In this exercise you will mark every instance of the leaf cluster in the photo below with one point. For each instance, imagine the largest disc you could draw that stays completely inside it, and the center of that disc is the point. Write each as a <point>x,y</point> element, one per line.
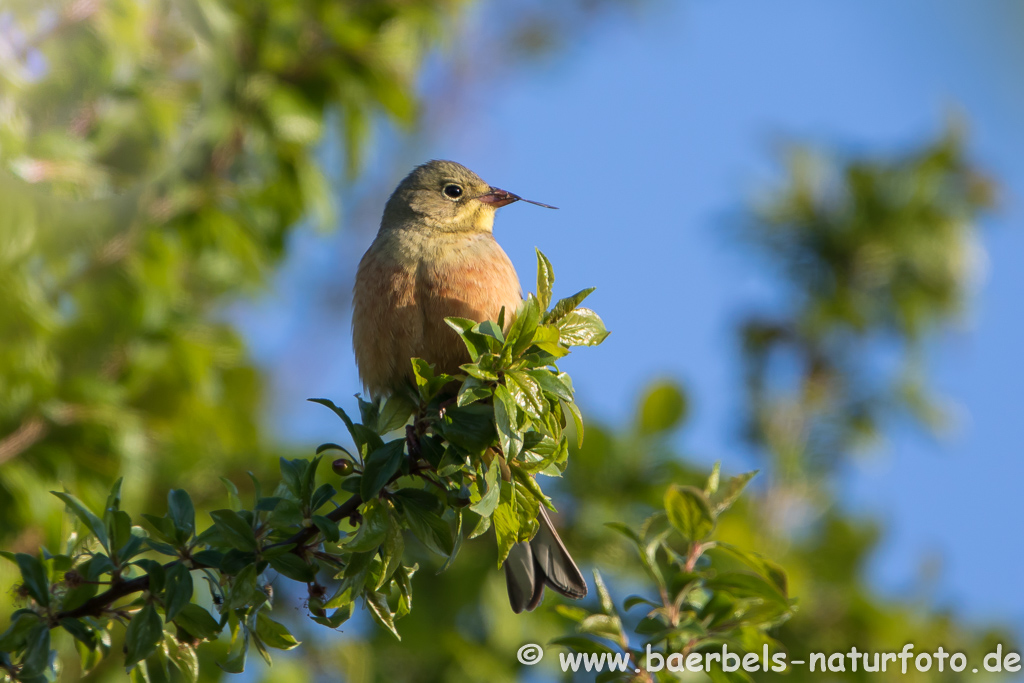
<point>708,592</point>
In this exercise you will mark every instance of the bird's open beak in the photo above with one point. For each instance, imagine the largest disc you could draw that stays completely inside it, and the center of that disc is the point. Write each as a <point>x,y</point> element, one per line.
<point>498,198</point>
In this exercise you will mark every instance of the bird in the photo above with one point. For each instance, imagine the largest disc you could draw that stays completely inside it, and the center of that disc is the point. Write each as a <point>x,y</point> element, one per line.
<point>434,257</point>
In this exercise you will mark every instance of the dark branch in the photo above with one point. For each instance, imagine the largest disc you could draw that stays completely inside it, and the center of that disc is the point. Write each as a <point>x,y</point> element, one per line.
<point>95,606</point>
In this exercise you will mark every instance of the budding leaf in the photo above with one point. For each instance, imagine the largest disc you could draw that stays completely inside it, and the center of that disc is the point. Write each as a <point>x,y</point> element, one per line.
<point>545,280</point>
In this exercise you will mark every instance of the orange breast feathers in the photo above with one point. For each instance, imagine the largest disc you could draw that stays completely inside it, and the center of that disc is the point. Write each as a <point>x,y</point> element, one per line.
<point>401,300</point>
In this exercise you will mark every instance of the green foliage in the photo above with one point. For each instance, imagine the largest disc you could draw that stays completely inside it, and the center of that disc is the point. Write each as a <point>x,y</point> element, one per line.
<point>154,158</point>
<point>875,253</point>
<point>703,600</point>
<point>466,462</point>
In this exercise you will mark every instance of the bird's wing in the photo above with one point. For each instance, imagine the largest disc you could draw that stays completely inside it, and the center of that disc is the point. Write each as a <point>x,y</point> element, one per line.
<point>553,561</point>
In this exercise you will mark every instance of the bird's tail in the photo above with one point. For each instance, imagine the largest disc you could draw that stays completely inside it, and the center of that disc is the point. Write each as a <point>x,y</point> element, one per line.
<point>544,560</point>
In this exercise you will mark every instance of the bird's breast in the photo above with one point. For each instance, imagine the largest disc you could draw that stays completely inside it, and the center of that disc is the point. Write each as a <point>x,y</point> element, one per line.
<point>408,283</point>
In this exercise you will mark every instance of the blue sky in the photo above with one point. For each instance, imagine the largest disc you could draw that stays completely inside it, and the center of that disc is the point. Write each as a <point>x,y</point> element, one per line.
<point>651,133</point>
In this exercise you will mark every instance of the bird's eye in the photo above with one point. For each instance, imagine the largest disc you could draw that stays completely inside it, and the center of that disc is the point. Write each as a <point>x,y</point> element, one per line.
<point>452,191</point>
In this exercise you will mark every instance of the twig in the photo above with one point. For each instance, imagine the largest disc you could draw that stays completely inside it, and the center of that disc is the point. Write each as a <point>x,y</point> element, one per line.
<point>27,435</point>
<point>95,606</point>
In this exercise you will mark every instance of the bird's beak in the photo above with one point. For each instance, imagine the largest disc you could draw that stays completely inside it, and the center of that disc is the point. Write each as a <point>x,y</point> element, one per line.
<point>498,198</point>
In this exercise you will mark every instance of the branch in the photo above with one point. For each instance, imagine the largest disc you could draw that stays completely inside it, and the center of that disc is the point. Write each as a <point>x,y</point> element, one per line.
<point>95,606</point>
<point>27,435</point>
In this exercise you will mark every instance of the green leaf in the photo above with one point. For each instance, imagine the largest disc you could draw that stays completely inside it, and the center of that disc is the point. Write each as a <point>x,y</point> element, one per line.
<point>582,644</point>
<point>182,513</point>
<point>114,497</point>
<point>545,280</point>
<point>36,660</point>
<point>731,491</point>
<point>506,422</point>
<point>244,589</point>
<point>273,634</point>
<point>332,447</point>
<point>91,521</point>
<point>235,662</point>
<point>526,393</point>
<point>607,606</point>
<point>291,473</point>
<point>372,529</point>
<point>530,485</point>
<point>429,527</point>
<point>33,578</point>
<point>490,492</point>
<point>773,572</point>
<point>747,585</point>
<point>80,631</point>
<point>713,479</point>
<point>577,420</point>
<point>14,637</point>
<point>634,600</point>
<point>689,512</point>
<point>663,408</point>
<point>293,566</point>
<point>323,494</point>
<point>470,428</point>
<point>395,412</point>
<point>235,530</point>
<point>520,333</point>
<point>557,386</point>
<point>472,390</point>
<point>451,462</point>
<point>458,542</point>
<point>582,327</point>
<point>378,606</point>
<point>391,550</point>
<point>309,481</point>
<point>328,528</point>
<point>602,625</point>
<point>540,457</point>
<point>197,621</point>
<point>184,658</point>
<point>489,329</point>
<point>426,381</point>
<point>506,522</point>
<point>381,465</point>
<point>366,439</point>
<point>178,590</point>
<point>546,338</point>
<point>234,500</point>
<point>368,413</point>
<point>476,342</point>
<point>144,633</point>
<point>564,306</point>
<point>482,525</point>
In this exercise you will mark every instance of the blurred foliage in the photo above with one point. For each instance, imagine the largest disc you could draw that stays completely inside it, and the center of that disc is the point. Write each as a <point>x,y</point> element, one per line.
<point>874,255</point>
<point>154,157</point>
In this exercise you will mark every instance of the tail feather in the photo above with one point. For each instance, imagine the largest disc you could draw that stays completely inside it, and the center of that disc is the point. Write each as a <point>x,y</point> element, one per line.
<point>542,561</point>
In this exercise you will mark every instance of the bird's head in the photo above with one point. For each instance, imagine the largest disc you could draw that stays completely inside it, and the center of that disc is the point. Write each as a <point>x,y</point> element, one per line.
<point>447,196</point>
